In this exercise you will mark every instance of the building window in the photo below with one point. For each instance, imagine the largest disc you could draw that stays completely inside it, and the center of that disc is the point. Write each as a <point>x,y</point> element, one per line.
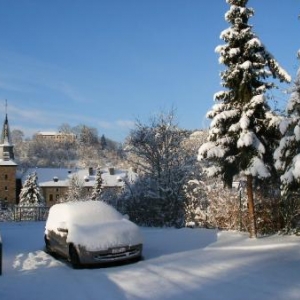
<point>57,189</point>
<point>5,177</point>
<point>6,188</point>
<point>50,197</point>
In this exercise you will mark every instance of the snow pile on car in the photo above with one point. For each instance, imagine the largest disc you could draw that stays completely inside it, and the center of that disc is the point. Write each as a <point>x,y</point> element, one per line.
<point>94,225</point>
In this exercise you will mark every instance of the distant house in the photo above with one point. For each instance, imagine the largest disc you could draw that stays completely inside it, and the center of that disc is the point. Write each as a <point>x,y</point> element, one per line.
<point>56,136</point>
<point>54,182</point>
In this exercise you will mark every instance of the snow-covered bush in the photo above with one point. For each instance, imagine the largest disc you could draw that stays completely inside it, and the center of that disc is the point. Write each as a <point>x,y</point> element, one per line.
<point>196,204</point>
<point>6,214</point>
<point>111,196</point>
<point>221,207</point>
<point>268,207</point>
<point>227,207</point>
<point>141,202</point>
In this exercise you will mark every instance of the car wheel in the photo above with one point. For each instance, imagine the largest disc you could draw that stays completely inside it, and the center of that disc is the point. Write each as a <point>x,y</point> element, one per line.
<point>74,258</point>
<point>47,245</point>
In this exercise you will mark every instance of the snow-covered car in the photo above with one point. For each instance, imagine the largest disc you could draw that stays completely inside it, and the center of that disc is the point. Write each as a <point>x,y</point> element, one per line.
<point>91,232</point>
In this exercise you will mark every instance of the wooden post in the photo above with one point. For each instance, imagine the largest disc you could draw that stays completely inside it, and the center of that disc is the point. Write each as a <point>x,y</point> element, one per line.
<point>252,225</point>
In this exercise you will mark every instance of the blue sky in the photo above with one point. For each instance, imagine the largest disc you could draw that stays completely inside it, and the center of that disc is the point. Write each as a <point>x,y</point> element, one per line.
<point>107,63</point>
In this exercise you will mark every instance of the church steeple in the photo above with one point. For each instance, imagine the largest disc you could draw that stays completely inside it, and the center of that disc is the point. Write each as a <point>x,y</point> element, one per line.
<point>6,147</point>
<point>8,167</point>
<point>5,136</point>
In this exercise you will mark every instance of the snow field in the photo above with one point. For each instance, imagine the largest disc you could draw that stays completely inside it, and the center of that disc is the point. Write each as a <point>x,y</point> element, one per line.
<point>179,264</point>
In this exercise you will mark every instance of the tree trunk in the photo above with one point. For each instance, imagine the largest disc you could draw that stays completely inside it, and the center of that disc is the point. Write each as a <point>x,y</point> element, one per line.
<point>252,225</point>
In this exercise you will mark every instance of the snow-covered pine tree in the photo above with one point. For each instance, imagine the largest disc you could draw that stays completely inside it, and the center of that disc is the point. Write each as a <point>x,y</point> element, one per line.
<point>287,155</point>
<point>75,190</point>
<point>31,194</point>
<point>97,189</point>
<point>243,132</point>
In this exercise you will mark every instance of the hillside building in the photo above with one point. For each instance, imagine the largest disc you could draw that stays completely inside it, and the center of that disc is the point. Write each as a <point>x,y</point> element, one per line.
<point>58,137</point>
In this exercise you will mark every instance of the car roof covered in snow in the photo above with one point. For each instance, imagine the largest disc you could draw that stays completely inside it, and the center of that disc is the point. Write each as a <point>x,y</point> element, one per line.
<point>82,212</point>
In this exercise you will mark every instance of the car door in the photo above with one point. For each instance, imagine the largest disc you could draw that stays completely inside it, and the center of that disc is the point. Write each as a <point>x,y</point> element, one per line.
<point>61,239</point>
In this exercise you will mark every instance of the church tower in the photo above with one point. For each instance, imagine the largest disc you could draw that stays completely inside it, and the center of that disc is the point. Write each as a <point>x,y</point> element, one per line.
<point>8,167</point>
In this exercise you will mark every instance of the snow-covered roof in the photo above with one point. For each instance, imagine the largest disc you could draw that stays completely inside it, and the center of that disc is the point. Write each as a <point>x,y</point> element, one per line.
<point>59,177</point>
<point>50,133</point>
<point>47,133</point>
<point>4,162</point>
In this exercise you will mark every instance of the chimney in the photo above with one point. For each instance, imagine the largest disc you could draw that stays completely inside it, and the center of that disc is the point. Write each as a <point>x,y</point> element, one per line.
<point>91,171</point>
<point>111,171</point>
<point>134,169</point>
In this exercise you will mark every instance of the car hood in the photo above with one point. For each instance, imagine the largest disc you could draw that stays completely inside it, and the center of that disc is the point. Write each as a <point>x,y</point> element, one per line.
<point>105,235</point>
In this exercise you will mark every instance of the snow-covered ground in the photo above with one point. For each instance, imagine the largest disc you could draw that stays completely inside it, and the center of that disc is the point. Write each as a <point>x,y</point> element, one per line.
<point>179,264</point>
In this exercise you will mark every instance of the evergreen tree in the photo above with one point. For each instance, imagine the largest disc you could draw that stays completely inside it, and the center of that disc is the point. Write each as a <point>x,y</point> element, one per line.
<point>31,194</point>
<point>287,155</point>
<point>97,189</point>
<point>243,131</point>
<point>103,142</point>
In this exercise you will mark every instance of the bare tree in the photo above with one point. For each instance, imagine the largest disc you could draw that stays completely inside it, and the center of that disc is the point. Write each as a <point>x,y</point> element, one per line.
<point>163,164</point>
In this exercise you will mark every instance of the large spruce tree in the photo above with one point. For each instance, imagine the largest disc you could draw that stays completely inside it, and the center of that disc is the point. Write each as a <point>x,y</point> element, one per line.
<point>287,155</point>
<point>243,132</point>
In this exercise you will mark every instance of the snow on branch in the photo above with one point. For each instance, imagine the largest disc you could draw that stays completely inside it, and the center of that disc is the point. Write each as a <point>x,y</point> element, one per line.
<point>253,43</point>
<point>257,168</point>
<point>224,116</point>
<point>211,150</point>
<point>278,70</point>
